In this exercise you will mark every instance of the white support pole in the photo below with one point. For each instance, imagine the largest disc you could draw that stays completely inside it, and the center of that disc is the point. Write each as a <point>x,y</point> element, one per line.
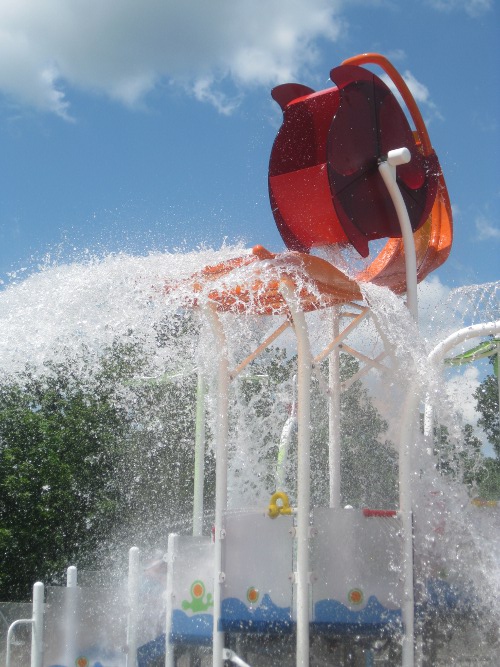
<point>169,647</point>
<point>199,457</point>
<point>133,606</point>
<point>304,364</point>
<point>334,414</point>
<point>221,437</point>
<point>37,626</point>
<point>70,610</point>
<point>407,442</point>
<point>387,170</point>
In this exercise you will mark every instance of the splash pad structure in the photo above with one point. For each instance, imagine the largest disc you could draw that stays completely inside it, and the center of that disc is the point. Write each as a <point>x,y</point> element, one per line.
<point>346,169</point>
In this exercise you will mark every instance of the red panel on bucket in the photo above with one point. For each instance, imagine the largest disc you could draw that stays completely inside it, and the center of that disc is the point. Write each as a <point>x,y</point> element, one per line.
<point>324,183</point>
<point>299,188</point>
<point>367,125</point>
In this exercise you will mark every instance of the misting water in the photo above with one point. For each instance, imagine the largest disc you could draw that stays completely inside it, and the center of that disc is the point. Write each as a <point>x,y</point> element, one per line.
<point>75,314</point>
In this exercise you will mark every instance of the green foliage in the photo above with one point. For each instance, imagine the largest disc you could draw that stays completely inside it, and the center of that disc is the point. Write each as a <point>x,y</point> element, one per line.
<point>488,487</point>
<point>466,461</point>
<point>159,476</point>
<point>91,454</point>
<point>486,396</point>
<point>462,461</point>
<point>59,453</point>
<point>368,462</point>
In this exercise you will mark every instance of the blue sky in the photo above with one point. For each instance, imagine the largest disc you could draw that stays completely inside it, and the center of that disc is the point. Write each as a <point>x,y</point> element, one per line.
<point>137,126</point>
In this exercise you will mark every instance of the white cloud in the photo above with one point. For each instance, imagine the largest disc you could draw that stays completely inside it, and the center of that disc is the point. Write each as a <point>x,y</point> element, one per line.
<point>472,7</point>
<point>123,48</point>
<point>460,391</point>
<point>419,91</point>
<point>486,230</point>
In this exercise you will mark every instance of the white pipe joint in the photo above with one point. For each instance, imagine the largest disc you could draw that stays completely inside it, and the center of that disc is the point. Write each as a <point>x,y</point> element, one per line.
<point>398,156</point>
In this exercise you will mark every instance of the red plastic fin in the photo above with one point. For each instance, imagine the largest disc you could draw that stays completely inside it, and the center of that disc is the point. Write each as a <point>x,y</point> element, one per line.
<point>368,123</point>
<point>379,513</point>
<point>287,92</point>
<point>262,253</point>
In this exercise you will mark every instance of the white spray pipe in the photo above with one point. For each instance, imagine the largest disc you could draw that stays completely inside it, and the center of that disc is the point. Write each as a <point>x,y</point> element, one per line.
<point>334,441</point>
<point>133,606</point>
<point>36,622</point>
<point>169,647</point>
<point>387,169</point>
<point>199,457</point>
<point>70,626</point>
<point>440,351</point>
<point>221,437</point>
<point>37,626</point>
<point>71,577</point>
<point>304,363</point>
<point>407,442</point>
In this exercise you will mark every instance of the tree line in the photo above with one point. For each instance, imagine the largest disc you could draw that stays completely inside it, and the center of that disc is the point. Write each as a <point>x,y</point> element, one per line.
<point>86,464</point>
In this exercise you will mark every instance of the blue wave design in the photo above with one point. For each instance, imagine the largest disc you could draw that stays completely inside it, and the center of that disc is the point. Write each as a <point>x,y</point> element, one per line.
<point>195,629</point>
<point>443,596</point>
<point>333,616</point>
<point>267,617</point>
<point>153,650</point>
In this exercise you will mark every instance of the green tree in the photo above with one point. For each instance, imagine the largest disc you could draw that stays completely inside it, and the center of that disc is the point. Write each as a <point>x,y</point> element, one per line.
<point>368,463</point>
<point>92,457</point>
<point>486,396</point>
<point>369,476</point>
<point>60,449</point>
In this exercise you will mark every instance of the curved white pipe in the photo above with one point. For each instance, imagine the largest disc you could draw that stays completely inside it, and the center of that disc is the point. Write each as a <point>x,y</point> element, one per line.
<point>438,353</point>
<point>387,170</point>
<point>474,331</point>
